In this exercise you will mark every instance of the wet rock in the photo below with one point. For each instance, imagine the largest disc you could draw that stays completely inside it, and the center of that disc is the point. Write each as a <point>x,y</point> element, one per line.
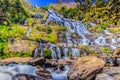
<point>60,66</point>
<point>104,76</point>
<point>111,70</point>
<point>51,63</point>
<point>117,77</point>
<point>26,77</point>
<point>109,73</point>
<point>116,52</point>
<point>111,62</point>
<point>38,61</point>
<point>44,74</point>
<point>85,68</point>
<point>65,61</point>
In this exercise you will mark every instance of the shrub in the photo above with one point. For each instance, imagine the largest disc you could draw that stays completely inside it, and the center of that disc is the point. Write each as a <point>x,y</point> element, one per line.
<point>48,30</point>
<point>106,50</point>
<point>47,53</point>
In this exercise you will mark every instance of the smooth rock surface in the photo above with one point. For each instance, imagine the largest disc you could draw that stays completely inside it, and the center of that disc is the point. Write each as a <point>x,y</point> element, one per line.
<point>104,76</point>
<point>85,68</point>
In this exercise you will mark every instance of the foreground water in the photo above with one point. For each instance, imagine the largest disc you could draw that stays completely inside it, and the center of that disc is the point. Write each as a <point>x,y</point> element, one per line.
<point>7,72</point>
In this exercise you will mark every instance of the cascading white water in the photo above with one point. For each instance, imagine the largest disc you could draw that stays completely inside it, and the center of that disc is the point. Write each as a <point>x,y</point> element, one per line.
<point>55,53</point>
<point>7,72</point>
<point>70,26</point>
<point>28,32</point>
<point>100,41</point>
<point>59,75</point>
<point>77,27</point>
<point>106,32</point>
<point>35,53</point>
<point>66,51</point>
<point>25,22</point>
<point>40,45</point>
<point>75,52</point>
<point>68,39</point>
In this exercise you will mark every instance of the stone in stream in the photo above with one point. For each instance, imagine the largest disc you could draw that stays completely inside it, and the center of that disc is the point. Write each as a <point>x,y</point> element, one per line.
<point>26,77</point>
<point>104,76</point>
<point>109,73</point>
<point>111,70</point>
<point>44,74</point>
<point>38,61</point>
<point>85,68</point>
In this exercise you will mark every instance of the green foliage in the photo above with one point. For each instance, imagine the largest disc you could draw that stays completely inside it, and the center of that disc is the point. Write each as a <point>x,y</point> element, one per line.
<point>15,54</point>
<point>48,30</point>
<point>47,53</point>
<point>13,11</point>
<point>106,50</point>
<point>7,32</point>
<point>89,51</point>
<point>69,13</point>
<point>103,26</point>
<point>62,28</point>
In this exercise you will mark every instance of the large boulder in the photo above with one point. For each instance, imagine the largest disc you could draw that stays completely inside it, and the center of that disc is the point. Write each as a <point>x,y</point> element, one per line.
<point>85,68</point>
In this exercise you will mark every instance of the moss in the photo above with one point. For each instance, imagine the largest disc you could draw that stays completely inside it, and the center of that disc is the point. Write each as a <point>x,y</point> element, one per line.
<point>106,50</point>
<point>47,53</point>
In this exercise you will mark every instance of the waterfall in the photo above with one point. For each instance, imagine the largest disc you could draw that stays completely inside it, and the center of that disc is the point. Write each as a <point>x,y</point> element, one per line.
<point>106,32</point>
<point>55,53</point>
<point>35,53</point>
<point>29,30</point>
<point>75,52</point>
<point>66,51</point>
<point>25,22</point>
<point>40,45</point>
<point>68,39</point>
<point>100,41</point>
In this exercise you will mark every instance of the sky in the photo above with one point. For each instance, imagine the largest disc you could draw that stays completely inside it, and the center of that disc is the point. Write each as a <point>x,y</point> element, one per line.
<point>42,2</point>
<point>46,2</point>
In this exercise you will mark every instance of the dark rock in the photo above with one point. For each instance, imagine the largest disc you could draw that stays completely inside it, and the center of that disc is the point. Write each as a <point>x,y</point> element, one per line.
<point>51,63</point>
<point>44,74</point>
<point>26,77</point>
<point>85,68</point>
<point>38,61</point>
